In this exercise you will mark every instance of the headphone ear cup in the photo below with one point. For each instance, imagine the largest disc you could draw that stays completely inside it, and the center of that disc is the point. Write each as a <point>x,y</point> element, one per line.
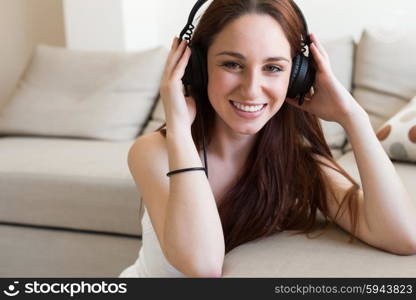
<point>196,74</point>
<point>199,69</point>
<point>187,76</point>
<point>299,76</point>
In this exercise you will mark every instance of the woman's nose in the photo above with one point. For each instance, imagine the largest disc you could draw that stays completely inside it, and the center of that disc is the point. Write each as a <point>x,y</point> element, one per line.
<point>251,85</point>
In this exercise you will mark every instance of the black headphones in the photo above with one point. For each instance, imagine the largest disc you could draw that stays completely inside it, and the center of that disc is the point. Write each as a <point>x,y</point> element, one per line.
<point>302,74</point>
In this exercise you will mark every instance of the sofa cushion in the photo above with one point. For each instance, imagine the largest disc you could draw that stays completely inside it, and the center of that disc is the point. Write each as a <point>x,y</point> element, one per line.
<point>329,255</point>
<point>398,135</point>
<point>68,183</point>
<point>84,94</point>
<point>33,252</point>
<point>385,74</point>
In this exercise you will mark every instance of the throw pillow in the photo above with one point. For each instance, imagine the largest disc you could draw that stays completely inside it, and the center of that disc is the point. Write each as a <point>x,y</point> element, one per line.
<point>84,94</point>
<point>398,135</point>
<point>384,76</point>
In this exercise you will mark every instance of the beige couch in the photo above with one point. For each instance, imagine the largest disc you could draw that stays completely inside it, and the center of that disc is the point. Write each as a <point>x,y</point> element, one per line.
<point>69,206</point>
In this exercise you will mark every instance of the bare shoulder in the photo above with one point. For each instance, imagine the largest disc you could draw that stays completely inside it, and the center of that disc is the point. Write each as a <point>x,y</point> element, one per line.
<point>150,146</point>
<point>150,139</point>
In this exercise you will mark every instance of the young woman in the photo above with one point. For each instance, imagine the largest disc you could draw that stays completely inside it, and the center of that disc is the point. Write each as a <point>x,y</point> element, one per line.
<point>270,166</point>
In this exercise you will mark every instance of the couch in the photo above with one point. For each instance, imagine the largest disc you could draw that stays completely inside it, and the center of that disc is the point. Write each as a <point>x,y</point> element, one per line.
<point>69,206</point>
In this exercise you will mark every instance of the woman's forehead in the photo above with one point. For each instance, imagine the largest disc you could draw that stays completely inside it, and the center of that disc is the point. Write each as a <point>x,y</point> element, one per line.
<point>252,33</point>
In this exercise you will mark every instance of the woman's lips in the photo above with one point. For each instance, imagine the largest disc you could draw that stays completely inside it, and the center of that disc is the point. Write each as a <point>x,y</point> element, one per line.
<point>248,104</point>
<point>248,115</point>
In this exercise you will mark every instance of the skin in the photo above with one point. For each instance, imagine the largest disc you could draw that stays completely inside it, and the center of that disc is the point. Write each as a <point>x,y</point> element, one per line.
<point>249,80</point>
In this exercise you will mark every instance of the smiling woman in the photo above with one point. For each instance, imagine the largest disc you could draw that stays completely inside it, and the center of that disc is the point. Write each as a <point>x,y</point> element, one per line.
<point>271,168</point>
<point>249,48</point>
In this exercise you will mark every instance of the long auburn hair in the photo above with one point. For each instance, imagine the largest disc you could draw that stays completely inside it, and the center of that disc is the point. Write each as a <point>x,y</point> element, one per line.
<point>281,185</point>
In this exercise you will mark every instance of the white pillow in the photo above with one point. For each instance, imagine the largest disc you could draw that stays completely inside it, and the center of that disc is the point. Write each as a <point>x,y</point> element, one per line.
<point>84,94</point>
<point>398,135</point>
<point>384,76</point>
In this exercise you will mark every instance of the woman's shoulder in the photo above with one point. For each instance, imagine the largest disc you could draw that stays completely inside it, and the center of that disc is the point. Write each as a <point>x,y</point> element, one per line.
<point>150,146</point>
<point>152,138</point>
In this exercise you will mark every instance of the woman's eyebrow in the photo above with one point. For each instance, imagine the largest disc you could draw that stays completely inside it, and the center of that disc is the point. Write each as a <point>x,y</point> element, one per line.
<point>240,56</point>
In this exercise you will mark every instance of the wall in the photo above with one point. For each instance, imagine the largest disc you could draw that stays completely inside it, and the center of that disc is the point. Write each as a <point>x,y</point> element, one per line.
<point>327,18</point>
<point>23,24</point>
<point>139,24</point>
<point>111,25</point>
<point>94,24</point>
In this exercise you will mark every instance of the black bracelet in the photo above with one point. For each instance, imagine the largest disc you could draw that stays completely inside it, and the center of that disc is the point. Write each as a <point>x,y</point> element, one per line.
<point>184,170</point>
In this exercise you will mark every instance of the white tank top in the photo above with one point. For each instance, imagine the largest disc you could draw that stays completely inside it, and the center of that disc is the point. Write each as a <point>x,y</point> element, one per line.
<point>151,261</point>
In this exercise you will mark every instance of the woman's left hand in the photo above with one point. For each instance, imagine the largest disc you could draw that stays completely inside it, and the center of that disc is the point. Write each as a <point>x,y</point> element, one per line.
<point>328,99</point>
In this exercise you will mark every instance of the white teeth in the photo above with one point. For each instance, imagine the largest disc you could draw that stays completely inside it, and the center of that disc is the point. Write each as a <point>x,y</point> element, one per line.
<point>251,108</point>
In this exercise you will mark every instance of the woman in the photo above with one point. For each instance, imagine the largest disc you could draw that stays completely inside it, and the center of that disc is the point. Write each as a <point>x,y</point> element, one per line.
<point>270,166</point>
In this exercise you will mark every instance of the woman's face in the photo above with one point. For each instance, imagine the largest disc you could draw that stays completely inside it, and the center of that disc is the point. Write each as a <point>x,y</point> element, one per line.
<point>249,66</point>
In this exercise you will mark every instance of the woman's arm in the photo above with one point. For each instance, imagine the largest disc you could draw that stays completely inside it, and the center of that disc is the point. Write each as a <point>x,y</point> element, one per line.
<point>389,211</point>
<point>386,214</point>
<point>193,229</point>
<point>181,207</point>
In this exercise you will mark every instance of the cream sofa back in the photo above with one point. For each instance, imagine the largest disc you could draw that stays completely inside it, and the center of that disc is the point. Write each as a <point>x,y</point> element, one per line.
<point>84,94</point>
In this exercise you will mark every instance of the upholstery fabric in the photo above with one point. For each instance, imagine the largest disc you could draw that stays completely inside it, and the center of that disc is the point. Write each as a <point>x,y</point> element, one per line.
<point>84,94</point>
<point>398,135</point>
<point>68,183</point>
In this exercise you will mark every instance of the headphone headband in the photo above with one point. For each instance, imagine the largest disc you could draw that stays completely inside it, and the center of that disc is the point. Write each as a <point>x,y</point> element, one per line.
<point>307,40</point>
<point>187,30</point>
<point>189,27</point>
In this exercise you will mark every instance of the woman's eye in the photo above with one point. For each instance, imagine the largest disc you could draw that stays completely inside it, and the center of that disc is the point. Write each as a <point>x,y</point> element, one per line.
<point>230,64</point>
<point>274,69</point>
<point>233,65</point>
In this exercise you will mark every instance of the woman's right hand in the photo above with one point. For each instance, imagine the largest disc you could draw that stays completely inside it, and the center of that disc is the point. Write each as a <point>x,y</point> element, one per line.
<point>180,111</point>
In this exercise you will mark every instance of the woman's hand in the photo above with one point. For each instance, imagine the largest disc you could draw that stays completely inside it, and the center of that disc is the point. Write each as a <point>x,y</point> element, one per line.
<point>180,111</point>
<point>328,99</point>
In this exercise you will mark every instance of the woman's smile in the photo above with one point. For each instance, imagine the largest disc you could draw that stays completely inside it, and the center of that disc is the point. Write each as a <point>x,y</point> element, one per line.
<point>247,111</point>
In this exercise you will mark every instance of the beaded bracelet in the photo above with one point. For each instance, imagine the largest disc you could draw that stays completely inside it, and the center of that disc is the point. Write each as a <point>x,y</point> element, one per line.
<point>184,170</point>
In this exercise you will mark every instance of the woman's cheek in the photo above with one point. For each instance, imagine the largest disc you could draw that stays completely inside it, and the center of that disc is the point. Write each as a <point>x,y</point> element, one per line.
<point>282,87</point>
<point>223,79</point>
<point>220,85</point>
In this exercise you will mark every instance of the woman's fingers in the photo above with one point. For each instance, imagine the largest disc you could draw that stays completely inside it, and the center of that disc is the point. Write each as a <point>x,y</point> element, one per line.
<point>175,43</point>
<point>322,63</point>
<point>179,70</point>
<point>320,56</point>
<point>171,52</point>
<point>309,94</point>
<point>317,56</point>
<point>177,52</point>
<point>318,45</point>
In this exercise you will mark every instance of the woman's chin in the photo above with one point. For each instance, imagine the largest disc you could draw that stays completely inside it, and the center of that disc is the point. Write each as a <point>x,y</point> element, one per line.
<point>246,130</point>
